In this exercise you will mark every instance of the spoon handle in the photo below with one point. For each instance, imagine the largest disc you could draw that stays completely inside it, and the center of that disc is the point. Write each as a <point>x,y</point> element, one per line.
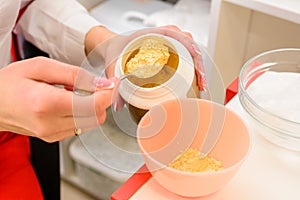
<point>122,77</point>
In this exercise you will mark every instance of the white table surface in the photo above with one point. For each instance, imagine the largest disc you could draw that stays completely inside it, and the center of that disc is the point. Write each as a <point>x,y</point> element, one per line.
<point>269,173</point>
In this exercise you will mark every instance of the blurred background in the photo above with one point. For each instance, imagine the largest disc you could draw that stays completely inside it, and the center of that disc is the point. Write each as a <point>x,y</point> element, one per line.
<point>232,31</point>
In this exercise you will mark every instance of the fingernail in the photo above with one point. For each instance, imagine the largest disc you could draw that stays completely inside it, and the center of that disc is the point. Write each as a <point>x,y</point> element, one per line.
<point>203,84</point>
<point>115,106</point>
<point>196,48</point>
<point>103,83</point>
<point>114,79</point>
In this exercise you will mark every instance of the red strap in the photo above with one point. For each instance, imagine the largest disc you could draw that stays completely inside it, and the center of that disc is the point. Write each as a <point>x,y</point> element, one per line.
<point>15,54</point>
<point>17,176</point>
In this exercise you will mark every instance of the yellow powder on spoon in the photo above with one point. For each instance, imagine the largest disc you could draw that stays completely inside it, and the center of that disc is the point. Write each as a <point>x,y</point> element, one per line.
<point>149,60</point>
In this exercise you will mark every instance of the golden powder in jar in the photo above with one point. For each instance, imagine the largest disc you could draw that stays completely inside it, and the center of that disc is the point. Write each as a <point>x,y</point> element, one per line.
<point>151,57</point>
<point>192,161</point>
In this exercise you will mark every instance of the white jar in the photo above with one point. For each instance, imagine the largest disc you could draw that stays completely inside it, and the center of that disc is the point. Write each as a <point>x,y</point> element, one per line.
<point>181,84</point>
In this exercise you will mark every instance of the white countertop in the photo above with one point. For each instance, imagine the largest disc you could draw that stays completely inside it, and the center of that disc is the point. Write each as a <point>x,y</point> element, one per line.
<point>110,13</point>
<point>127,16</point>
<point>269,173</point>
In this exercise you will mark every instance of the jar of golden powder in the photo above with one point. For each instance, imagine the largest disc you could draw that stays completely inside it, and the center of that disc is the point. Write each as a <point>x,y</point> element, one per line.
<point>176,79</point>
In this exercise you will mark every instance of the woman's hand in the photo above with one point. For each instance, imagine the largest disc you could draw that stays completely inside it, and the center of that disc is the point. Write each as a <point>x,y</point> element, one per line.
<point>187,40</point>
<point>104,46</point>
<point>32,103</point>
<point>102,42</point>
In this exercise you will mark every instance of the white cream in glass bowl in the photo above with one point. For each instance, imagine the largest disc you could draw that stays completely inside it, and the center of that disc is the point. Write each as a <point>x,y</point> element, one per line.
<point>269,91</point>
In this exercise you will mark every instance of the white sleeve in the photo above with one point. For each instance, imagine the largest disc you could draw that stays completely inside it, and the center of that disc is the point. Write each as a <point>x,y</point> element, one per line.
<point>57,27</point>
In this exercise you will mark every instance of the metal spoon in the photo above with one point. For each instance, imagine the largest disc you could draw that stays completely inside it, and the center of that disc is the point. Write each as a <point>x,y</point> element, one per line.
<point>135,74</point>
<point>138,73</point>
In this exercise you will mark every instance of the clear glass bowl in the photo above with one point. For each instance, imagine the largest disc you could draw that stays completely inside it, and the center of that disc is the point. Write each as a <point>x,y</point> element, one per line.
<point>269,91</point>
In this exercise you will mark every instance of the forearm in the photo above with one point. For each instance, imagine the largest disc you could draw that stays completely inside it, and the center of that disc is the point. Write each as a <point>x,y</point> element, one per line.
<point>95,36</point>
<point>57,27</point>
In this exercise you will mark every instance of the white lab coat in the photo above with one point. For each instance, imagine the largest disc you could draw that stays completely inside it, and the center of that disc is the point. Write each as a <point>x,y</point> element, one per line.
<point>57,27</point>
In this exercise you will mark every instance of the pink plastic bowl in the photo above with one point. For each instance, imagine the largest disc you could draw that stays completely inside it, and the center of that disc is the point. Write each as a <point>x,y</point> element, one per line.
<point>173,126</point>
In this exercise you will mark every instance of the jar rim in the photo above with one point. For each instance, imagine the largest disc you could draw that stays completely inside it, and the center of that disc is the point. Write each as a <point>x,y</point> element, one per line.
<point>184,72</point>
